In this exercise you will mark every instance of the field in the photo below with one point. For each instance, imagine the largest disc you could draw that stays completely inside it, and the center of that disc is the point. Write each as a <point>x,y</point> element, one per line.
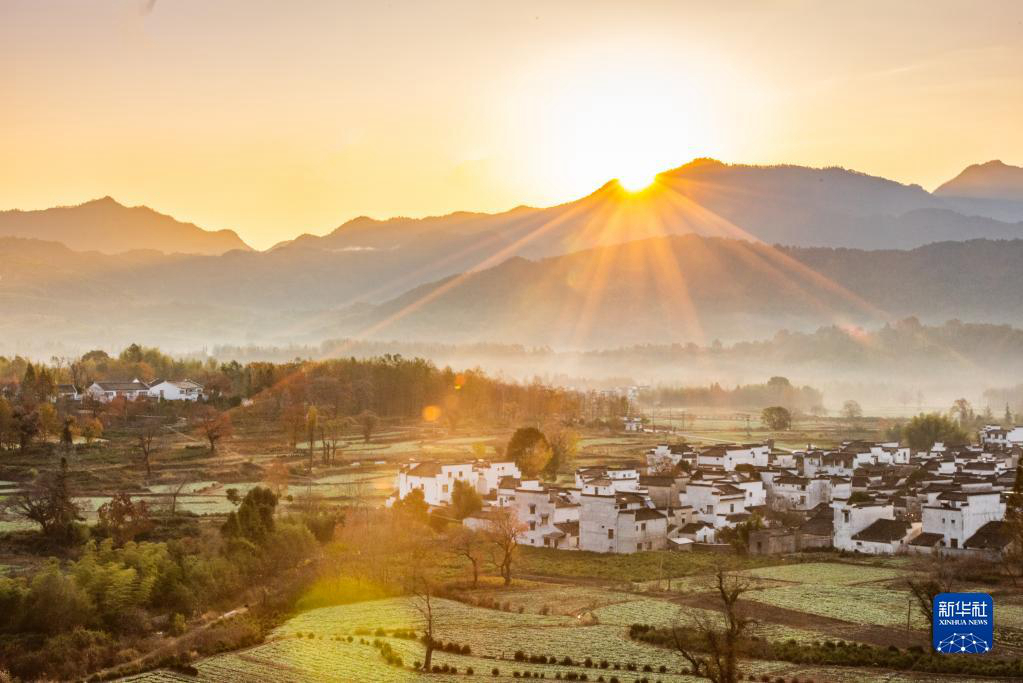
<point>315,645</point>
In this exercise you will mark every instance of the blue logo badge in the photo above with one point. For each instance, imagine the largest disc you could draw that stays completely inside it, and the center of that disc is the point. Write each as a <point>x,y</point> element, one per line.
<point>964,623</point>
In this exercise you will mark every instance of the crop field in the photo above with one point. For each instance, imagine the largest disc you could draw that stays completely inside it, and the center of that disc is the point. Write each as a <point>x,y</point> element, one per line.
<point>827,573</point>
<point>868,606</point>
<point>314,646</point>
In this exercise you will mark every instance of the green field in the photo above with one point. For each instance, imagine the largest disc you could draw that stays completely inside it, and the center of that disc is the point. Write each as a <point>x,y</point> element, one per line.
<point>314,646</point>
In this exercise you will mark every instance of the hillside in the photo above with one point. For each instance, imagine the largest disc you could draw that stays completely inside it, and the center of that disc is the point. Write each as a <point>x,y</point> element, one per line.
<point>106,226</point>
<point>658,290</point>
<point>693,288</point>
<point>992,180</point>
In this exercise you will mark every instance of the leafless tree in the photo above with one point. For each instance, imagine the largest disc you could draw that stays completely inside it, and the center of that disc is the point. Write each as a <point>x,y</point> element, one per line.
<point>469,544</point>
<point>422,590</point>
<point>940,578</point>
<point>146,435</point>
<point>503,531</point>
<point>723,646</point>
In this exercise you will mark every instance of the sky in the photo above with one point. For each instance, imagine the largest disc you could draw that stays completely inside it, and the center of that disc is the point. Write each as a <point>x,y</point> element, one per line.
<point>275,119</point>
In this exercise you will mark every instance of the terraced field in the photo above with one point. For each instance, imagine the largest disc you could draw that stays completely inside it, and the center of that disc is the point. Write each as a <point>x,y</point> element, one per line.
<point>337,644</point>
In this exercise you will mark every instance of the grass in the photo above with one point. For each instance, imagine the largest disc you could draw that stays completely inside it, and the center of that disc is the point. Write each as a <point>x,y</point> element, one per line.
<point>637,567</point>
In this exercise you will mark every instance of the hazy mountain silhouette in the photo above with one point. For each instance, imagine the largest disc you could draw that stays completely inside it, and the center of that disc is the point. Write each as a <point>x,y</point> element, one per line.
<point>993,180</point>
<point>658,290</point>
<point>105,225</point>
<point>793,205</point>
<point>689,287</point>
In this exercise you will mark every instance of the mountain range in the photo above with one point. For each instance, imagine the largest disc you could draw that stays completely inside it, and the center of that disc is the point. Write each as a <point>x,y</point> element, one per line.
<point>107,226</point>
<point>696,256</point>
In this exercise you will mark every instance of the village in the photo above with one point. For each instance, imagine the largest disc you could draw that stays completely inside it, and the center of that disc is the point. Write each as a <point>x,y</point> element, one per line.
<point>863,497</point>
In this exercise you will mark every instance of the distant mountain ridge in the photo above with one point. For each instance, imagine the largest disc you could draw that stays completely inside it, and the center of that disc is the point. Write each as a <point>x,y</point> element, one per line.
<point>801,206</point>
<point>992,180</point>
<point>109,227</point>
<point>673,289</point>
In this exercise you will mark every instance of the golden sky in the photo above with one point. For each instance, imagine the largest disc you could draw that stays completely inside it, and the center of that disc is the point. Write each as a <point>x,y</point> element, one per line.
<point>277,118</point>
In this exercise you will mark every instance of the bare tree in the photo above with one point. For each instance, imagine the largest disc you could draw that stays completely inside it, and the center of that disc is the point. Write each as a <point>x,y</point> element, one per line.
<point>146,435</point>
<point>940,578</point>
<point>49,503</point>
<point>723,646</point>
<point>503,531</point>
<point>422,590</point>
<point>469,544</point>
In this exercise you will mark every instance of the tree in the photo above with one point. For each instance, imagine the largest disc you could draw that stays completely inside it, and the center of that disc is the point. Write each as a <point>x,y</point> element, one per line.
<point>529,449</point>
<point>332,433</point>
<point>1012,556</point>
<point>92,429</point>
<point>49,421</point>
<point>67,433</point>
<point>367,421</point>
<point>145,436</point>
<point>962,411</point>
<point>923,431</point>
<point>26,426</point>
<point>312,418</point>
<point>939,579</point>
<point>851,410</point>
<point>502,532</point>
<point>6,422</point>
<point>213,425</point>
<point>277,477</point>
<point>422,588</point>
<point>739,535</point>
<point>564,446</point>
<point>776,418</point>
<point>254,519</point>
<point>49,502</point>
<point>412,507</point>
<point>469,544</point>
<point>465,500</point>
<point>723,647</point>
<point>123,520</point>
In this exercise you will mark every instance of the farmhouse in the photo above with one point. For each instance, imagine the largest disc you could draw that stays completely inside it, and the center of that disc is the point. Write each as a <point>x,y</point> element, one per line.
<point>437,480</point>
<point>108,391</point>
<point>175,390</point>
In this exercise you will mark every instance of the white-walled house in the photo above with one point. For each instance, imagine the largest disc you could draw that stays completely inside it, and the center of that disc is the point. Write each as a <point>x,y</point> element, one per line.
<point>175,390</point>
<point>800,493</point>
<point>437,480</point>
<point>620,522</point>
<point>548,515</point>
<point>728,456</point>
<point>852,518</point>
<point>1001,437</point>
<point>717,503</point>
<point>105,392</point>
<point>957,515</point>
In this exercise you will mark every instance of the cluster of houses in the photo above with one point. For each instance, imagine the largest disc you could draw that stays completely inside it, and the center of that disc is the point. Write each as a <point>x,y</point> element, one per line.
<point>877,498</point>
<point>160,389</point>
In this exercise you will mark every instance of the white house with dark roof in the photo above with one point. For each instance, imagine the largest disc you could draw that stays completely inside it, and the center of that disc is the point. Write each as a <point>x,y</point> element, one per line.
<point>437,480</point>
<point>105,392</point>
<point>620,522</point>
<point>729,456</point>
<point>958,515</point>
<point>175,390</point>
<point>1001,437</point>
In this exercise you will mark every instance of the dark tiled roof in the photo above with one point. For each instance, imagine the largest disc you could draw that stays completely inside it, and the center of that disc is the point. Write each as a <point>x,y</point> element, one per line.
<point>647,513</point>
<point>991,536</point>
<point>883,531</point>
<point>927,539</point>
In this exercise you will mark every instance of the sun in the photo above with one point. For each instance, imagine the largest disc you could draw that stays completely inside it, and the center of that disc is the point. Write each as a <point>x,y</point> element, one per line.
<point>636,181</point>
